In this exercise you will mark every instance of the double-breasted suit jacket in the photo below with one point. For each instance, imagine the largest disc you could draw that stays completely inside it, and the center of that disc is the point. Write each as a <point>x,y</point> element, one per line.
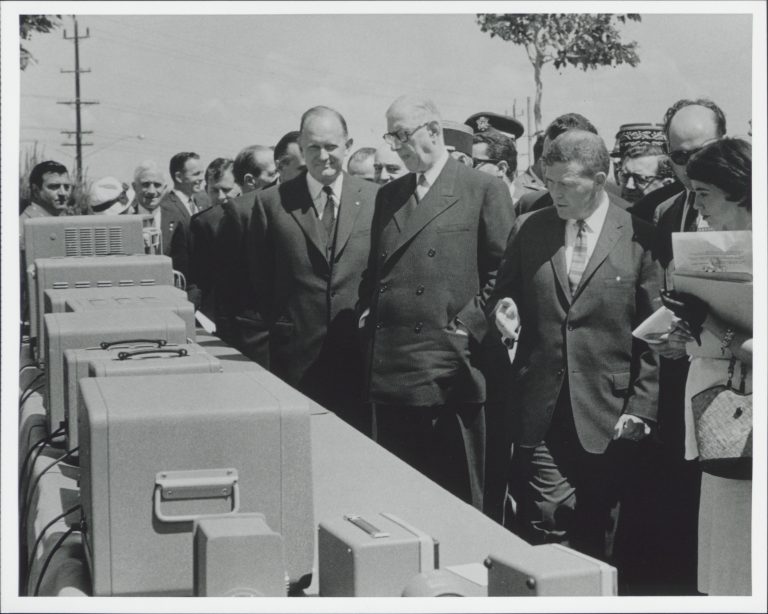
<point>583,340</point>
<point>430,264</point>
<point>305,296</point>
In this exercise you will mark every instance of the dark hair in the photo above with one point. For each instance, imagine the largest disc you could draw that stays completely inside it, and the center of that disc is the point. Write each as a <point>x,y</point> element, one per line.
<point>282,145</point>
<point>699,102</point>
<point>245,162</point>
<point>179,160</point>
<point>639,150</point>
<point>43,168</point>
<point>566,122</point>
<point>323,110</point>
<point>217,168</point>
<point>538,147</point>
<point>580,146</point>
<point>727,165</point>
<point>499,148</point>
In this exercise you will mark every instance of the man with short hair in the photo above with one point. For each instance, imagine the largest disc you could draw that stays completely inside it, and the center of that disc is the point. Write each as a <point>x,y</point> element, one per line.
<point>495,154</point>
<point>308,241</point>
<point>436,240</point>
<point>643,169</point>
<point>288,157</point>
<point>50,191</point>
<point>361,164</point>
<point>568,121</point>
<point>576,279</point>
<point>387,165</point>
<point>150,185</point>
<point>254,168</point>
<point>531,180</point>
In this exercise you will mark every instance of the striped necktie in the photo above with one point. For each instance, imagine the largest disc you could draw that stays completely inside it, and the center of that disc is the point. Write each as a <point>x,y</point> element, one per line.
<point>328,212</point>
<point>579,260</point>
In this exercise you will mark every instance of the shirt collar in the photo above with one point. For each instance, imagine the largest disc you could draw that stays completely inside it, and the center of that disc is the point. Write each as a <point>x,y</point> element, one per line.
<point>433,173</point>
<point>183,197</point>
<point>316,188</point>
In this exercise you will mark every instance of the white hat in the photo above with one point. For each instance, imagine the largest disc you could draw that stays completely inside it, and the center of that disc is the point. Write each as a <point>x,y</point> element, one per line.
<point>108,196</point>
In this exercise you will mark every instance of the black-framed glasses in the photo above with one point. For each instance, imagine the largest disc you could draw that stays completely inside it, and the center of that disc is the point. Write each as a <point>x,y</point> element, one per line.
<point>641,181</point>
<point>401,136</point>
<point>480,161</point>
<point>681,156</point>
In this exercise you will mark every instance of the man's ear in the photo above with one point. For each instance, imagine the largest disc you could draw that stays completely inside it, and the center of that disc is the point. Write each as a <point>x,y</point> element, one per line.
<point>600,179</point>
<point>434,127</point>
<point>249,180</point>
<point>176,177</point>
<point>349,143</point>
<point>503,167</point>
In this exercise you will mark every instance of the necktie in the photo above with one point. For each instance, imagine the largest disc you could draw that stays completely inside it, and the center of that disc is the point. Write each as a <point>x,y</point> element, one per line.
<point>422,186</point>
<point>579,260</point>
<point>328,213</point>
<point>689,217</point>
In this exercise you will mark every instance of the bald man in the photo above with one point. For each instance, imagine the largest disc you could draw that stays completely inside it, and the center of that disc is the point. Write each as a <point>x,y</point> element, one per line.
<point>437,237</point>
<point>387,165</point>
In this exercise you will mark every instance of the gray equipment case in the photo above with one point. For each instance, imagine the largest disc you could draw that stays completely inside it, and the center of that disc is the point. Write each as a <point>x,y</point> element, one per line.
<point>65,331</point>
<point>156,458</point>
<point>123,359</point>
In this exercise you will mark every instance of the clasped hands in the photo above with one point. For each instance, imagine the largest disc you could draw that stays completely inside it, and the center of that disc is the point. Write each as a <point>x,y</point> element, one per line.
<point>690,312</point>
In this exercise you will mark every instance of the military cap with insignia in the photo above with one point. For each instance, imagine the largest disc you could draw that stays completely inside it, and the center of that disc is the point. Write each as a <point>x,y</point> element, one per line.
<point>635,134</point>
<point>486,121</point>
<point>457,136</point>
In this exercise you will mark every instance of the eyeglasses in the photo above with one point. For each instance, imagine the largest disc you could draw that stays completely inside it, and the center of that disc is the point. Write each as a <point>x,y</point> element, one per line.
<point>681,157</point>
<point>480,161</point>
<point>401,136</point>
<point>641,181</point>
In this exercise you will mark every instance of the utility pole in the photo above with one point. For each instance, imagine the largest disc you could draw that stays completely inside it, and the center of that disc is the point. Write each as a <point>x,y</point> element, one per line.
<point>530,136</point>
<point>78,132</point>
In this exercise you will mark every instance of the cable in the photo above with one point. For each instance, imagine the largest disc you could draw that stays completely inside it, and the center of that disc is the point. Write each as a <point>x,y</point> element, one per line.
<point>31,392</point>
<point>41,443</point>
<point>27,366</point>
<point>49,558</point>
<point>31,559</point>
<point>31,383</point>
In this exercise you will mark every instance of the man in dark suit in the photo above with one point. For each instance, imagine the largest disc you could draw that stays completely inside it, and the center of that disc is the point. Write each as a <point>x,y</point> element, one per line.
<point>179,204</point>
<point>576,279</point>
<point>533,201</point>
<point>308,241</point>
<point>255,169</point>
<point>436,240</point>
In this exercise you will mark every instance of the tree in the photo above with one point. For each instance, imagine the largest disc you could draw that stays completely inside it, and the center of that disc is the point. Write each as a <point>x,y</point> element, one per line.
<point>585,41</point>
<point>34,23</point>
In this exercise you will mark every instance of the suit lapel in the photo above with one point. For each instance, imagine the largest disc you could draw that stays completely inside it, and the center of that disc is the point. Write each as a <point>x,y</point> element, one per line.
<point>556,240</point>
<point>404,198</point>
<point>439,198</point>
<point>296,198</point>
<point>609,235</point>
<point>349,209</point>
<point>183,211</point>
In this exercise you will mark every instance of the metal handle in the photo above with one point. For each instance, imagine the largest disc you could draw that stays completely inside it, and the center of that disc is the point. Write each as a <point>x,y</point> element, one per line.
<point>366,526</point>
<point>180,352</point>
<point>105,345</point>
<point>195,484</point>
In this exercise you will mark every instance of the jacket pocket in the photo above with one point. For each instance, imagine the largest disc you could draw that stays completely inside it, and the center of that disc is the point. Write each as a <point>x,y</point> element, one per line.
<point>452,228</point>
<point>620,383</point>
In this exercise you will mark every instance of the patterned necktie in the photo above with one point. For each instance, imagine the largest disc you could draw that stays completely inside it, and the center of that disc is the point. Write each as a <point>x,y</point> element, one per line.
<point>328,213</point>
<point>579,260</point>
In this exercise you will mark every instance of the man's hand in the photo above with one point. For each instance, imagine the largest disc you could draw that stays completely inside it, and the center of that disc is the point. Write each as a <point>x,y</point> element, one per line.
<point>507,320</point>
<point>672,343</point>
<point>631,427</point>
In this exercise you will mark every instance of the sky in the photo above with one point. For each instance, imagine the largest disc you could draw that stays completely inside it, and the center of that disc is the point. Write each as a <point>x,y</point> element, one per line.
<point>216,83</point>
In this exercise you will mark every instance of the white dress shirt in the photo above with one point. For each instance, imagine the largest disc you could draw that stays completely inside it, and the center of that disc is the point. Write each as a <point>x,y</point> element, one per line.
<point>430,176</point>
<point>319,197</point>
<point>592,227</point>
<point>187,202</point>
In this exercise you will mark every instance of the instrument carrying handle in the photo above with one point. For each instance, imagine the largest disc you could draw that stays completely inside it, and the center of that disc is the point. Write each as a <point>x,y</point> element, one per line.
<point>195,484</point>
<point>105,345</point>
<point>180,352</point>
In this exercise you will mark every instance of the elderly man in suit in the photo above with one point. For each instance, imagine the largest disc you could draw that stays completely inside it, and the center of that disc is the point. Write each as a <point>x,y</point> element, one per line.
<point>308,241</point>
<point>437,237</point>
<point>576,279</point>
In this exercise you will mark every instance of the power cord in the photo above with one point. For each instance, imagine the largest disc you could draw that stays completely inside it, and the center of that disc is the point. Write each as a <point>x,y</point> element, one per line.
<point>49,558</point>
<point>31,559</point>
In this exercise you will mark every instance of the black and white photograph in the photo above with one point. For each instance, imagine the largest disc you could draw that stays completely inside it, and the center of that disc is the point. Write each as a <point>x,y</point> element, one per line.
<point>361,301</point>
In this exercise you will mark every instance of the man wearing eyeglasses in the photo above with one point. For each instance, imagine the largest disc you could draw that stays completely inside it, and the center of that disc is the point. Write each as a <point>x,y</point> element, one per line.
<point>437,237</point>
<point>688,125</point>
<point>643,170</point>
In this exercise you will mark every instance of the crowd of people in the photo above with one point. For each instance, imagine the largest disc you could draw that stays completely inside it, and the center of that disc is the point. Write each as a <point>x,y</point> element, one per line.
<point>477,321</point>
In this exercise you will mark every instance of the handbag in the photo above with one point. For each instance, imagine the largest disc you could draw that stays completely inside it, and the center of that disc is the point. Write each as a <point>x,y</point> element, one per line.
<point>723,427</point>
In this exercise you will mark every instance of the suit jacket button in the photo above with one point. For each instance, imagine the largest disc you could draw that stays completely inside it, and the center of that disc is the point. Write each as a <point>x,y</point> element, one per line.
<point>383,288</point>
<point>431,253</point>
<point>560,372</point>
<point>418,327</point>
<point>384,254</point>
<point>420,290</point>
<point>570,327</point>
<point>379,325</point>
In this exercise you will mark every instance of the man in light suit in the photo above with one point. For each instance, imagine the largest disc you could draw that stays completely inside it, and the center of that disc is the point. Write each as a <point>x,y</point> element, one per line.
<point>437,237</point>
<point>576,279</point>
<point>308,241</point>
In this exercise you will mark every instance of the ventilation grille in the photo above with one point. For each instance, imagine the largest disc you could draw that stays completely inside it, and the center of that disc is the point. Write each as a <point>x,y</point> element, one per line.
<point>93,241</point>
